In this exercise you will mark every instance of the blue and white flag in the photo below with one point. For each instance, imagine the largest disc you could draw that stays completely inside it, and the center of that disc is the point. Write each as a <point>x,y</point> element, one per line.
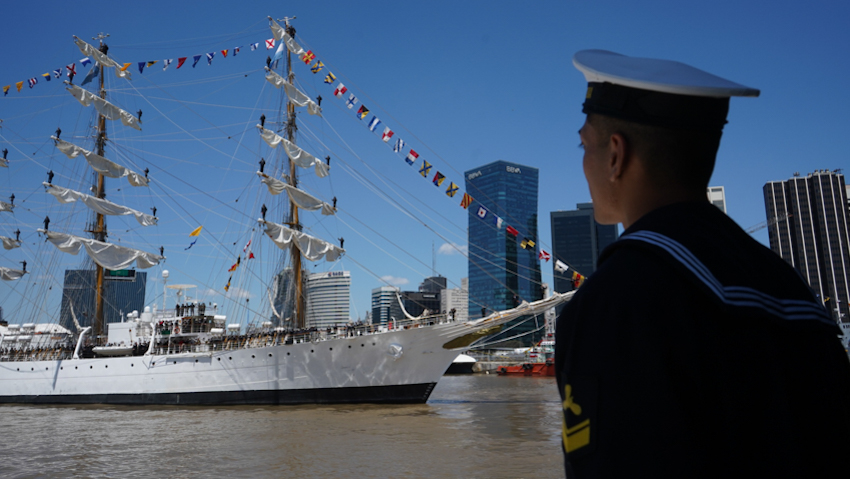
<point>196,58</point>
<point>352,100</point>
<point>165,64</point>
<point>57,72</point>
<point>373,123</point>
<point>210,56</point>
<point>255,46</point>
<point>482,212</point>
<point>86,61</point>
<point>278,54</point>
<point>91,75</point>
<point>399,144</point>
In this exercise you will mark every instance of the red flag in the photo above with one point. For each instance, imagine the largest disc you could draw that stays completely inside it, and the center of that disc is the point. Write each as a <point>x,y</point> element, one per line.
<point>233,268</point>
<point>544,255</point>
<point>224,52</point>
<point>180,61</point>
<point>512,230</point>
<point>466,201</point>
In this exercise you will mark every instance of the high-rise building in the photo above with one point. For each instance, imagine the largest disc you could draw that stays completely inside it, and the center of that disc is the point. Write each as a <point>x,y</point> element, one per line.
<point>501,272</point>
<point>434,284</point>
<point>124,292</point>
<point>457,299</point>
<point>385,305</point>
<point>328,299</point>
<point>717,197</point>
<point>577,240</point>
<point>807,225</point>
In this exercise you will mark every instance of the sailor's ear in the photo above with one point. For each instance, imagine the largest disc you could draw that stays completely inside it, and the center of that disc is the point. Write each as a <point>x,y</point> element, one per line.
<point>619,158</point>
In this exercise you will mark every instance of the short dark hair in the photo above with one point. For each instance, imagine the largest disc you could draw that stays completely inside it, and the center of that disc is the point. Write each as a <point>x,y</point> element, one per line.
<point>670,155</point>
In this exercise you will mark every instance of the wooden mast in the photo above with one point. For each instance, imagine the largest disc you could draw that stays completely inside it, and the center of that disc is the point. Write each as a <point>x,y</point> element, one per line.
<point>100,225</point>
<point>291,129</point>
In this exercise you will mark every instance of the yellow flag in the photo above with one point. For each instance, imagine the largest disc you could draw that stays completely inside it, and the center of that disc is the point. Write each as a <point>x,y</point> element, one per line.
<point>124,68</point>
<point>196,231</point>
<point>20,85</point>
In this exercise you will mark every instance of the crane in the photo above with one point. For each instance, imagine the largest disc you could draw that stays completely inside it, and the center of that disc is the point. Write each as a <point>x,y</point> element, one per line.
<point>770,222</point>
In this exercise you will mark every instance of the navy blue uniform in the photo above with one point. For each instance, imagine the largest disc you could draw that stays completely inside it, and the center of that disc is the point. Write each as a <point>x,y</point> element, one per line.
<point>694,351</point>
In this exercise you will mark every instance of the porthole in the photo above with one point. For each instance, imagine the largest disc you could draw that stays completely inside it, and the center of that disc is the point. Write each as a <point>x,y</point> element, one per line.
<point>131,365</point>
<point>19,369</point>
<point>45,369</point>
<point>373,344</point>
<point>312,351</point>
<point>76,367</point>
<point>349,346</point>
<point>32,369</point>
<point>175,362</point>
<point>270,354</point>
<point>153,363</point>
<point>253,357</point>
<point>106,366</point>
<point>287,354</point>
<point>91,367</point>
<point>330,349</point>
<point>230,358</point>
<point>196,360</point>
<point>362,345</point>
<point>61,368</point>
<point>219,359</point>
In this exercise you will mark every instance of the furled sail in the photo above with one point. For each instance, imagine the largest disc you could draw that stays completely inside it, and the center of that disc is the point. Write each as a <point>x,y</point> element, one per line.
<point>100,164</point>
<point>296,96</point>
<point>297,155</point>
<point>9,274</point>
<point>311,248</point>
<point>279,33</point>
<point>104,207</point>
<point>9,243</point>
<point>4,162</point>
<point>300,198</point>
<point>6,206</point>
<point>108,255</point>
<point>108,110</point>
<point>101,58</point>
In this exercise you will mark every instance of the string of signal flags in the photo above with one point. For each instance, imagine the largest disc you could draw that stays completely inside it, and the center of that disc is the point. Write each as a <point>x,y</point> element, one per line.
<point>70,70</point>
<point>399,147</point>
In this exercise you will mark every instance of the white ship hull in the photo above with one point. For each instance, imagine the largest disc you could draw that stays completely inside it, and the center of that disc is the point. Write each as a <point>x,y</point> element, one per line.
<point>356,369</point>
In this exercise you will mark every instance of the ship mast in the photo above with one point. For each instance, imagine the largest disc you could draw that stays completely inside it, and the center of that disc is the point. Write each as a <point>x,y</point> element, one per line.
<point>291,129</point>
<point>99,230</point>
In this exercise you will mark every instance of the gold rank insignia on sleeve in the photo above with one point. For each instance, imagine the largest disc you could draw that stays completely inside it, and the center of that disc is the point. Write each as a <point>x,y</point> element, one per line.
<point>577,435</point>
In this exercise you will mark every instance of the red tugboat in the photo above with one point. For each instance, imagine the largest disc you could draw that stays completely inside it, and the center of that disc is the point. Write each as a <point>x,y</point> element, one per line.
<point>541,360</point>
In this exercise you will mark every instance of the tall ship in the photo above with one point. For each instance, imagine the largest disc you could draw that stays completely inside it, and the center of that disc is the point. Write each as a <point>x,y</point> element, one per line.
<point>180,348</point>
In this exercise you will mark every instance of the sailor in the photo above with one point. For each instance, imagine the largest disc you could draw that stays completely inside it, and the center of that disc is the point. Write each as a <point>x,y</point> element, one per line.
<point>46,222</point>
<point>263,211</point>
<point>5,153</point>
<point>262,164</point>
<point>721,360</point>
<point>50,177</point>
<point>139,116</point>
<point>146,170</point>
<point>263,120</point>
<point>334,201</point>
<point>24,269</point>
<point>328,160</point>
<point>153,210</point>
<point>18,235</point>
<point>341,242</point>
<point>58,132</point>
<point>319,100</point>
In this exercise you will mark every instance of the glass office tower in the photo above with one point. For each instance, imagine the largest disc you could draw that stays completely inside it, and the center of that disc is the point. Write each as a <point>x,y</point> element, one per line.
<point>501,272</point>
<point>577,240</point>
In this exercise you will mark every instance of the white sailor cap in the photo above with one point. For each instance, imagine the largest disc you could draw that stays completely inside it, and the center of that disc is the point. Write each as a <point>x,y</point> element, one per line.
<point>655,92</point>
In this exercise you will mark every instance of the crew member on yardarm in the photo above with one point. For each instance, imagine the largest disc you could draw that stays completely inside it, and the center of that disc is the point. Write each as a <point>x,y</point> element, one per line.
<point>692,350</point>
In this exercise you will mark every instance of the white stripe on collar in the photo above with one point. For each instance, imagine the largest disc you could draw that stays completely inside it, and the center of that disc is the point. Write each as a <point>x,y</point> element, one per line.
<point>790,309</point>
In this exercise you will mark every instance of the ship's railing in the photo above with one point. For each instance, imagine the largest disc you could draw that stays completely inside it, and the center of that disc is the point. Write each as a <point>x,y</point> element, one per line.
<point>189,341</point>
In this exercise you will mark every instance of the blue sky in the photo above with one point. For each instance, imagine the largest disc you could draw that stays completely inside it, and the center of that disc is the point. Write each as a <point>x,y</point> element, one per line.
<point>463,83</point>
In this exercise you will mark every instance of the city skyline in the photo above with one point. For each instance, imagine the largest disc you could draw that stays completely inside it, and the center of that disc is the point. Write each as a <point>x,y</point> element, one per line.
<point>475,114</point>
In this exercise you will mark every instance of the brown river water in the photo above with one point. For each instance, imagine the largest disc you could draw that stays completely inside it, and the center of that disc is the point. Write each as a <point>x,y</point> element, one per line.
<point>475,426</point>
